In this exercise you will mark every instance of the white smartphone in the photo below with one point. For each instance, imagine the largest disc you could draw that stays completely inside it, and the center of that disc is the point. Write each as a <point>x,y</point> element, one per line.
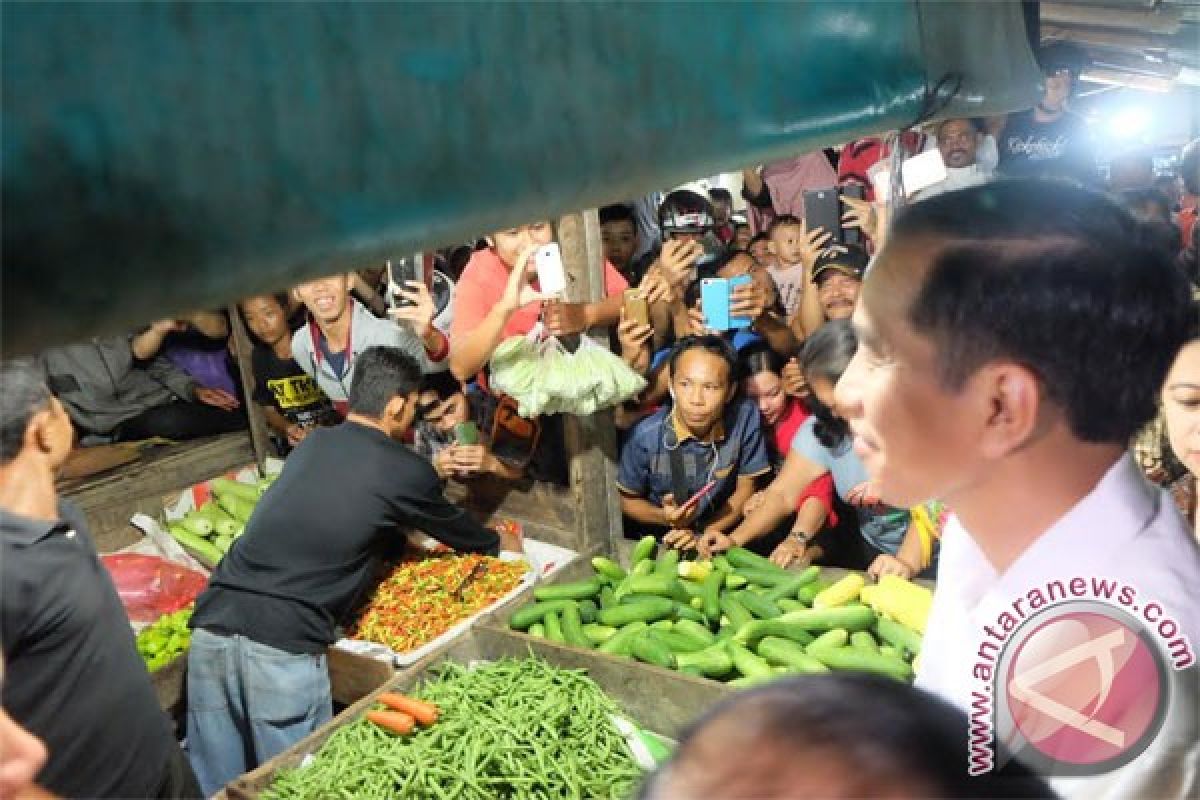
<point>922,171</point>
<point>552,278</point>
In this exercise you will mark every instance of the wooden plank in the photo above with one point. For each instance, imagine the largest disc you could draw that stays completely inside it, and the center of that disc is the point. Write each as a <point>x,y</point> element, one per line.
<point>1161,20</point>
<point>591,441</point>
<point>259,436</point>
<point>353,677</point>
<point>541,503</point>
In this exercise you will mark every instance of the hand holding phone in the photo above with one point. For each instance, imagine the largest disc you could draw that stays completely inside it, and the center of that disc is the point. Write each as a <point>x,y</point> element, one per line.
<point>734,283</point>
<point>466,433</point>
<point>552,277</point>
<point>400,273</point>
<point>695,499</point>
<point>714,302</point>
<point>636,307</point>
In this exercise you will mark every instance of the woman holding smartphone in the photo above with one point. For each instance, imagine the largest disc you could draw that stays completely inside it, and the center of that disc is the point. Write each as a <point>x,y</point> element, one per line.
<point>822,446</point>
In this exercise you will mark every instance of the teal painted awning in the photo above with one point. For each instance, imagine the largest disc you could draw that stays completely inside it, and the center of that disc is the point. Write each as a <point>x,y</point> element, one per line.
<point>162,157</point>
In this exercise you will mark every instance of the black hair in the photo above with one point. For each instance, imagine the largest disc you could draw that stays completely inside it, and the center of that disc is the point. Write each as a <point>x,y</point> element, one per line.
<point>826,354</point>
<point>1059,279</point>
<point>761,236</point>
<point>976,123</point>
<point>757,358</point>
<point>720,193</point>
<point>443,383</point>
<point>1057,55</point>
<point>1189,166</point>
<point>278,297</point>
<point>784,219</point>
<point>710,343</point>
<point>618,212</point>
<point>23,393</point>
<point>881,732</point>
<point>380,374</point>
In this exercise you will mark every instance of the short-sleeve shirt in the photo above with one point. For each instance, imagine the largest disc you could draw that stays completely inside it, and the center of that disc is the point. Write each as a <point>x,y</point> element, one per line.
<point>282,383</point>
<point>1062,148</point>
<point>483,282</point>
<point>882,526</point>
<point>737,449</point>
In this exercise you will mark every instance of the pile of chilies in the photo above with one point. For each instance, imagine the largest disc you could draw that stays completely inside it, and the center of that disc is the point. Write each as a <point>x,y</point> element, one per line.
<point>415,603</point>
<point>507,729</point>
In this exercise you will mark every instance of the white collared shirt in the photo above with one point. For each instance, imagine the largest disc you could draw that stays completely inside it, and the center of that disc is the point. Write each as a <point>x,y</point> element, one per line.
<point>1126,531</point>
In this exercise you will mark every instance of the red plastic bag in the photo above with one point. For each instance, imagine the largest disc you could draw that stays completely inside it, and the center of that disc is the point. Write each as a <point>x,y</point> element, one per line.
<point>150,586</point>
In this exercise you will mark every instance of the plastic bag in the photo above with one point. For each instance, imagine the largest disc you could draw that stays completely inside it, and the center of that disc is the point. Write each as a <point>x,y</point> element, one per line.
<point>150,586</point>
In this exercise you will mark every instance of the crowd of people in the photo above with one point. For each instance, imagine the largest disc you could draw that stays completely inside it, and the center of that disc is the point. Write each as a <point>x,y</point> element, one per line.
<point>810,412</point>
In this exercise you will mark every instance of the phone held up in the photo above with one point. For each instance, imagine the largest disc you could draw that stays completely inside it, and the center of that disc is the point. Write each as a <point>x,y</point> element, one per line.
<point>716,297</point>
<point>552,277</point>
<point>636,307</point>
<point>466,433</point>
<point>400,272</point>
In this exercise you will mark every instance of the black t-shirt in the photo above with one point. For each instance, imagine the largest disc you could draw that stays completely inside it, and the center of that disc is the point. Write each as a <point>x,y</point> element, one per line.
<point>73,676</point>
<point>313,542</point>
<point>1062,148</point>
<point>283,384</point>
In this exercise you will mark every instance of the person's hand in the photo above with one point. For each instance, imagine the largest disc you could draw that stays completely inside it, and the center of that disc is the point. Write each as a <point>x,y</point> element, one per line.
<point>165,326</point>
<point>680,539</point>
<point>864,215</point>
<point>793,379</point>
<point>563,319</point>
<point>656,289</point>
<point>748,300</point>
<point>790,552</point>
<point>864,495</point>
<point>696,321</point>
<point>518,292</point>
<point>470,459</point>
<point>420,313</point>
<point>219,398</point>
<point>443,462</point>
<point>296,434</point>
<point>634,338</point>
<point>713,541</point>
<point>889,565</point>
<point>754,503</point>
<point>677,516</point>
<point>676,260</point>
<point>812,246</point>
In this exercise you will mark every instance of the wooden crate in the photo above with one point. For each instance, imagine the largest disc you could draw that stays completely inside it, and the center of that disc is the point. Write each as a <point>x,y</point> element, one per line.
<point>658,699</point>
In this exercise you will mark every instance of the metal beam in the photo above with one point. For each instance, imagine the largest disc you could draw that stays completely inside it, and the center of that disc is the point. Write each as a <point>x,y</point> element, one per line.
<point>1160,20</point>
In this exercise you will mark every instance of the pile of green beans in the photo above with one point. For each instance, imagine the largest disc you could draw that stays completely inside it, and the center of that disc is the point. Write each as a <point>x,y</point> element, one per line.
<point>508,729</point>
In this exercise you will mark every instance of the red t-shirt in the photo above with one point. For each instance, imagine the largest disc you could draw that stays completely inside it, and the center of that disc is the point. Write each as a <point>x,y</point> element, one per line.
<point>785,431</point>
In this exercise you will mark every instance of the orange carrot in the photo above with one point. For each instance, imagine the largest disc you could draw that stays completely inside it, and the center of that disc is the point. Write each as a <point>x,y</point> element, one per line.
<point>422,712</point>
<point>394,721</point>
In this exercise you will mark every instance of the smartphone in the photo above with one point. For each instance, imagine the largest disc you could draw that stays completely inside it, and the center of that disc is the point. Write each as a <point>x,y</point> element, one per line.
<point>922,171</point>
<point>823,209</point>
<point>850,235</point>
<point>400,272</point>
<point>734,283</point>
<point>552,278</point>
<point>466,433</point>
<point>699,495</point>
<point>636,307</point>
<point>714,300</point>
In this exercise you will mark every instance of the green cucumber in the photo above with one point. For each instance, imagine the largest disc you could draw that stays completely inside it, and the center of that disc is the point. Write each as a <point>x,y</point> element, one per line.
<point>197,525</point>
<point>554,631</point>
<point>648,648</point>
<point>684,611</point>
<point>899,636</point>
<point>741,558</point>
<point>663,624</point>
<point>710,595</point>
<point>597,634</point>
<point>859,660</point>
<point>537,629</point>
<point>621,643</point>
<point>608,569</point>
<point>677,642</point>
<point>809,592</point>
<point>747,663</point>
<point>852,618</point>
<point>667,564</point>
<point>889,650</point>
<point>750,633</point>
<point>522,618</point>
<point>576,590</point>
<point>864,641</point>
<point>656,584</point>
<point>786,653</point>
<point>608,597</point>
<point>646,609</point>
<point>223,487</point>
<point>213,511</point>
<point>642,551</point>
<point>713,661</point>
<point>749,682</point>
<point>766,578</point>
<point>588,610</point>
<point>758,605</point>
<point>721,562</point>
<point>572,627</point>
<point>238,507</point>
<point>789,587</point>
<point>695,630</point>
<point>198,544</point>
<point>643,568</point>
<point>735,611</point>
<point>789,604</point>
<point>835,638</point>
<point>734,581</point>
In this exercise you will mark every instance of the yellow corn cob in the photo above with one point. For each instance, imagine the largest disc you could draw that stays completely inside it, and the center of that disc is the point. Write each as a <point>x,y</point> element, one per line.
<point>695,570</point>
<point>902,600</point>
<point>840,593</point>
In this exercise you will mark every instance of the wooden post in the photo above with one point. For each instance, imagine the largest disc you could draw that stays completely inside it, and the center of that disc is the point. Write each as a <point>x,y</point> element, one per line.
<point>259,436</point>
<point>591,441</point>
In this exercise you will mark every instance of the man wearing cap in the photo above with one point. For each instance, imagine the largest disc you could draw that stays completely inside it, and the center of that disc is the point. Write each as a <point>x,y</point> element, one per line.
<point>834,284</point>
<point>1048,140</point>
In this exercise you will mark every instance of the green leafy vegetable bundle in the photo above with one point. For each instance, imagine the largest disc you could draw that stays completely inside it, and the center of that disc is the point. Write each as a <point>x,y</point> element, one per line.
<point>545,378</point>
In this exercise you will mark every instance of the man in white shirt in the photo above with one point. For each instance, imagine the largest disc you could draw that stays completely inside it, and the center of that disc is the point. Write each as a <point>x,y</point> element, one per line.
<point>959,140</point>
<point>1012,338</point>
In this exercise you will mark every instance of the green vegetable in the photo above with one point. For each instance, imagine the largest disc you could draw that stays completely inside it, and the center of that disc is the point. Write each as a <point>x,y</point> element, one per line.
<point>621,644</point>
<point>695,630</point>
<point>835,638</point>
<point>734,580</point>
<point>683,612</point>
<point>196,544</point>
<point>889,650</point>
<point>668,564</point>
<point>710,595</point>
<point>643,550</point>
<point>677,642</point>
<point>588,610</point>
<point>864,641</point>
<point>197,525</point>
<point>750,681</point>
<point>224,487</point>
<point>809,593</point>
<point>767,578</point>
<point>238,507</point>
<point>656,584</point>
<point>742,558</point>
<point>852,618</point>
<point>789,604</point>
<point>899,636</point>
<point>759,605</point>
<point>735,611</point>
<point>859,660</point>
<point>553,623</point>
<point>751,632</point>
<point>572,627</point>
<point>537,629</point>
<point>223,543</point>
<point>663,625</point>
<point>577,590</point>
<point>646,609</point>
<point>648,648</point>
<point>747,662</point>
<point>598,634</point>
<point>790,587</point>
<point>789,654</point>
<point>524,617</point>
<point>713,661</point>
<point>607,597</point>
<point>609,569</point>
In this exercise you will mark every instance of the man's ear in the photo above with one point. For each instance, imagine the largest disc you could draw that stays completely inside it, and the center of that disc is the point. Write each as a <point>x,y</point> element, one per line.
<point>395,408</point>
<point>1011,404</point>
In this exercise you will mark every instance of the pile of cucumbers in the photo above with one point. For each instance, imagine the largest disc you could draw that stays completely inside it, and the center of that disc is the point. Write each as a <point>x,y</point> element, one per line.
<point>737,618</point>
<point>210,530</point>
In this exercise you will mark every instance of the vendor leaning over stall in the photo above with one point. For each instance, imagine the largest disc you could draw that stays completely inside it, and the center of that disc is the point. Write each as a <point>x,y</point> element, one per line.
<point>257,679</point>
<point>72,675</point>
<point>339,328</point>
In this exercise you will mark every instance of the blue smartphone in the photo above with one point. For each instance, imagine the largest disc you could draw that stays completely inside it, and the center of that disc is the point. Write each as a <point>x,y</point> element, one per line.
<point>714,300</point>
<point>734,283</point>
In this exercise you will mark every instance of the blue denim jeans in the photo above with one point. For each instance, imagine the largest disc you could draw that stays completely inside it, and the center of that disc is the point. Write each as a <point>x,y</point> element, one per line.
<point>248,702</point>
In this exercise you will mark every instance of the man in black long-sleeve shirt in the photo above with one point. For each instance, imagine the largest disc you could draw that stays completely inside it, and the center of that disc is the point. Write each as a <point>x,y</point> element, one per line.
<point>257,681</point>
